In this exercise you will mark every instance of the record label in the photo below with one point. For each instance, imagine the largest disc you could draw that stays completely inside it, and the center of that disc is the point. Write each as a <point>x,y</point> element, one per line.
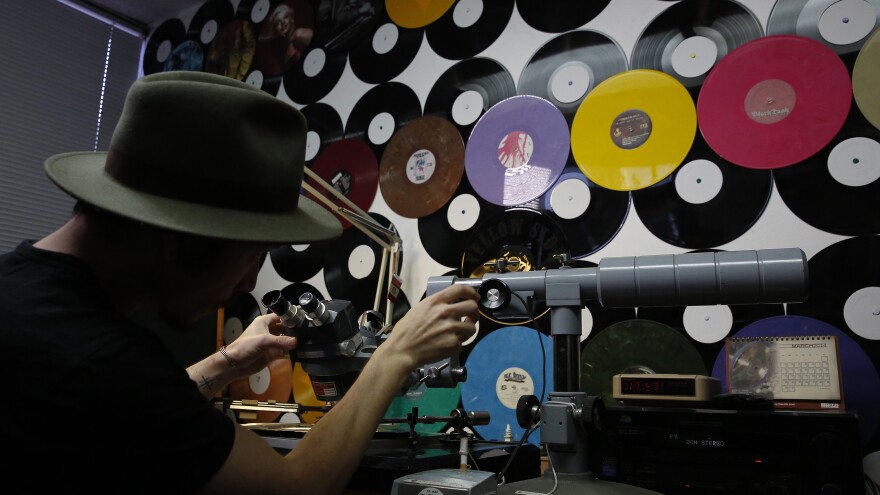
<point>774,101</point>
<point>633,130</point>
<point>517,150</point>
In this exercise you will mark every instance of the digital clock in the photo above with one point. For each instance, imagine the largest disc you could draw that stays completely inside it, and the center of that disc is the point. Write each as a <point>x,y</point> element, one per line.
<point>650,387</point>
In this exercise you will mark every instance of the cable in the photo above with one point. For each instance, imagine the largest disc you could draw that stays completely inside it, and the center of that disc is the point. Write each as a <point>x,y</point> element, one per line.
<point>500,476</point>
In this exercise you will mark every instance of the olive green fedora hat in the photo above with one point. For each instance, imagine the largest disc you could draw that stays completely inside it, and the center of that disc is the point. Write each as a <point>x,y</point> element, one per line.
<point>204,154</point>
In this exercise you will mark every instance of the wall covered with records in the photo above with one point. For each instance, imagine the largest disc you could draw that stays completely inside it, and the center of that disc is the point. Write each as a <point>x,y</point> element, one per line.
<point>480,131</point>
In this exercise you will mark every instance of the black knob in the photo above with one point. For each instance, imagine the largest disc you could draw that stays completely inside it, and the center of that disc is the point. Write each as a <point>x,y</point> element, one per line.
<point>527,408</point>
<point>494,295</point>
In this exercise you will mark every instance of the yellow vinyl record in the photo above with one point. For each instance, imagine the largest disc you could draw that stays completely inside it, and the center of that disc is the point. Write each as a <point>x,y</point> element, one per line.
<point>633,130</point>
<point>866,79</point>
<point>303,394</point>
<point>416,13</point>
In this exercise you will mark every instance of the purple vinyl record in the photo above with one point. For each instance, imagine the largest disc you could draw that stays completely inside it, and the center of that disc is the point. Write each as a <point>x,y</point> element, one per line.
<point>517,150</point>
<point>861,384</point>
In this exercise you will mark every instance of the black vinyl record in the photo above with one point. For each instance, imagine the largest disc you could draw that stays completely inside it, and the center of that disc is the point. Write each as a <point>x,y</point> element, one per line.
<point>527,238</point>
<point>298,262</point>
<point>238,312</point>
<point>841,26</point>
<point>324,127</point>
<point>352,267</point>
<point>466,90</point>
<point>385,52</point>
<point>565,69</point>
<point>343,24</point>
<point>468,28</point>
<point>380,112</point>
<point>211,17</point>
<point>161,43</point>
<point>559,16</point>
<point>690,37</point>
<point>589,214</point>
<point>445,232</point>
<point>845,174</point>
<point>314,76</point>
<point>706,202</point>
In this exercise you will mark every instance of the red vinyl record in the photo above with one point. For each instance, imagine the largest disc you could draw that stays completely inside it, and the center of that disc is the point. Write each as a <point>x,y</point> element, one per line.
<point>350,166</point>
<point>774,101</point>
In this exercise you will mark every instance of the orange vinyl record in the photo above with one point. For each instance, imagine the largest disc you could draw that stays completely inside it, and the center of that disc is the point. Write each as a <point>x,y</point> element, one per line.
<point>633,129</point>
<point>421,166</point>
<point>272,383</point>
<point>866,80</point>
<point>416,13</point>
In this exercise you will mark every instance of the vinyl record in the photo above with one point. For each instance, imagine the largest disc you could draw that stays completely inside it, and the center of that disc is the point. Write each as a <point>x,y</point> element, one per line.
<point>445,233</point>
<point>589,214</point>
<point>421,166</point>
<point>429,401</point>
<point>861,383</point>
<point>845,174</point>
<point>504,365</point>
<point>324,127</point>
<point>527,238</point>
<point>409,14</point>
<point>559,16</point>
<point>569,66</point>
<point>635,346</point>
<point>633,129</point>
<point>315,76</point>
<point>231,53</point>
<point>381,112</point>
<point>385,52</point>
<point>160,44</point>
<point>468,28</point>
<point>706,202</point>
<point>517,150</point>
<point>353,265</point>
<point>351,168</point>
<point>466,90</point>
<point>274,382</point>
<point>284,36</point>
<point>845,289</point>
<point>238,312</point>
<point>690,37</point>
<point>304,394</point>
<point>841,26</point>
<point>343,24</point>
<point>298,262</point>
<point>211,17</point>
<point>865,77</point>
<point>774,101</point>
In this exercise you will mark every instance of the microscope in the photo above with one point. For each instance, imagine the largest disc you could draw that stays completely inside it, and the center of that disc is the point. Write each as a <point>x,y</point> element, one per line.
<point>569,419</point>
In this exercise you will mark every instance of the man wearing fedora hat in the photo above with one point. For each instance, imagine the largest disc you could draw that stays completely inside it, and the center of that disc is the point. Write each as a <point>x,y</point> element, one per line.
<point>202,177</point>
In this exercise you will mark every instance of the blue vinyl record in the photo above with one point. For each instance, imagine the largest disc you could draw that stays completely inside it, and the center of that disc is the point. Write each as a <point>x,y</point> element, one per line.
<point>504,365</point>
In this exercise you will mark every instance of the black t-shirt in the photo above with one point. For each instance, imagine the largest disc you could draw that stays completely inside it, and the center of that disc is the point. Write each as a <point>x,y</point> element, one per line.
<point>91,400</point>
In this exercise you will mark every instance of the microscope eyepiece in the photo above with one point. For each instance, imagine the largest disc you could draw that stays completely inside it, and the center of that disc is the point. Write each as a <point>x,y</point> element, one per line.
<point>309,302</point>
<point>276,302</point>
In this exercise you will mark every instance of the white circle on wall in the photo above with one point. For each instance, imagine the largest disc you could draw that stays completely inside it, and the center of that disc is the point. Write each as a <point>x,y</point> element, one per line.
<point>467,13</point>
<point>467,107</point>
<point>314,62</point>
<point>570,82</point>
<point>463,212</point>
<point>699,181</point>
<point>259,381</point>
<point>855,161</point>
<point>707,324</point>
<point>570,198</point>
<point>381,128</point>
<point>255,79</point>
<point>232,328</point>
<point>861,311</point>
<point>586,323</point>
<point>361,261</point>
<point>385,38</point>
<point>290,418</point>
<point>694,56</point>
<point>163,51</point>
<point>313,142</point>
<point>847,21</point>
<point>209,31</point>
<point>259,11</point>
<point>299,247</point>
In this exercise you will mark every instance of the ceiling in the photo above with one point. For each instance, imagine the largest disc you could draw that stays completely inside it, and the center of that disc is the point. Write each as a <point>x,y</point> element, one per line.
<point>146,14</point>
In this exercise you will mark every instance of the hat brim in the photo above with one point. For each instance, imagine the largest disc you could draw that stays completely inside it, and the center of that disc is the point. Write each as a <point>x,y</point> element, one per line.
<point>82,175</point>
